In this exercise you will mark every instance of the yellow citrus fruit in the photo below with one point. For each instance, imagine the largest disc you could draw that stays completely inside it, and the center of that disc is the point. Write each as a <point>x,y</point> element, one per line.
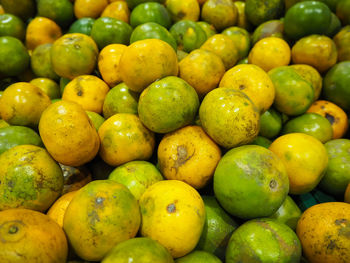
<point>220,13</point>
<point>202,69</point>
<point>41,30</point>
<point>145,61</point>
<point>317,51</point>
<point>173,214</point>
<point>88,8</point>
<point>59,207</point>
<point>73,55</point>
<point>88,91</point>
<point>102,214</point>
<point>253,81</point>
<point>22,104</point>
<point>118,10</point>
<point>108,63</point>
<point>188,154</point>
<point>124,138</point>
<point>183,10</point>
<point>48,86</point>
<point>30,236</point>
<point>323,230</point>
<point>224,47</point>
<point>269,53</point>
<point>305,159</point>
<point>68,133</point>
<point>229,117</point>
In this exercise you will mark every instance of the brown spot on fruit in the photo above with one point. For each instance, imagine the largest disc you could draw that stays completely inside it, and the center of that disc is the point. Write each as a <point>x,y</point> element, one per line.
<point>171,208</point>
<point>182,156</point>
<point>330,118</point>
<point>273,184</point>
<point>241,87</point>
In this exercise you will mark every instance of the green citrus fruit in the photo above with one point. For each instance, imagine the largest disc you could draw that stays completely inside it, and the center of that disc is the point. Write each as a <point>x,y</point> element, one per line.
<point>14,57</point>
<point>82,25</point>
<point>250,181</point>
<point>259,12</point>
<point>11,25</point>
<point>198,256</point>
<point>307,18</point>
<point>270,123</point>
<point>41,62</point>
<point>263,240</point>
<point>60,11</point>
<point>150,12</point>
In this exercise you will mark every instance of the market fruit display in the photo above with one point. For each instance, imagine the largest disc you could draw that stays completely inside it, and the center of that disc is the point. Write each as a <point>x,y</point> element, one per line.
<point>174,131</point>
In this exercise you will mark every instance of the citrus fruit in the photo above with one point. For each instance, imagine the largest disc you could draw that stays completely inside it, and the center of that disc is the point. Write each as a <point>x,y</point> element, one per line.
<point>223,46</point>
<point>22,103</point>
<point>327,238</point>
<point>294,94</point>
<point>150,12</point>
<point>262,141</point>
<point>76,47</point>
<point>317,51</point>
<point>120,99</point>
<point>95,118</point>
<point>335,83</point>
<point>343,11</point>
<point>30,178</point>
<point>229,117</point>
<point>188,154</point>
<point>342,42</point>
<point>138,250</point>
<point>133,3</point>
<point>124,138</point>
<point>108,63</point>
<point>102,214</point>
<point>41,30</point>
<point>152,30</point>
<point>17,135</point>
<point>241,38</point>
<point>173,214</point>
<point>217,230</point>
<point>158,60</point>
<point>270,123</point>
<point>250,181</point>
<point>347,194</point>
<point>11,25</point>
<point>14,58</point>
<point>137,176</point>
<point>242,20</point>
<point>307,18</point>
<point>183,10</point>
<point>82,25</point>
<point>263,240</point>
<point>207,28</point>
<point>41,62</point>
<point>73,144</point>
<point>168,104</point>
<point>253,81</point>
<point>33,236</point>
<point>60,11</point>
<point>337,176</point>
<point>118,10</point>
<point>271,28</point>
<point>202,69</point>
<point>305,159</point>
<point>219,13</point>
<point>258,12</point>
<point>87,8</point>
<point>109,30</point>
<point>24,9</point>
<point>334,26</point>
<point>312,124</point>
<point>288,213</point>
<point>188,35</point>
<point>335,115</point>
<point>269,53</point>
<point>311,75</point>
<point>88,91</point>
<point>198,256</point>
<point>59,207</point>
<point>48,86</point>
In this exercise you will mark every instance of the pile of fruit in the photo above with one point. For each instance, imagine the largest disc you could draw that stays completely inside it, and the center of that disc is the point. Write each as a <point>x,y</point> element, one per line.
<point>174,131</point>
